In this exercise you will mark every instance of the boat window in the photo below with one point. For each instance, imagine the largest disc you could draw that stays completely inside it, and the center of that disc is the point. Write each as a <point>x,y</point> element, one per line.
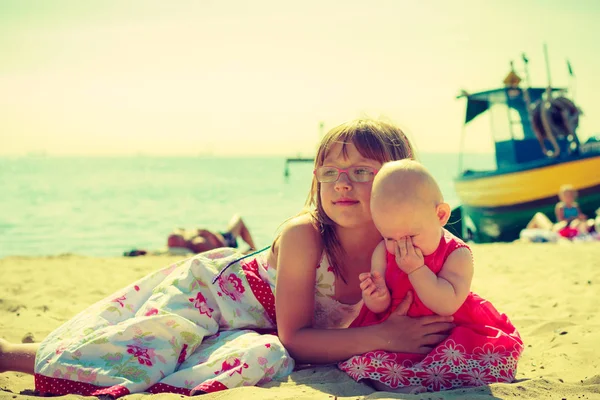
<point>516,123</point>
<point>505,122</point>
<point>477,146</point>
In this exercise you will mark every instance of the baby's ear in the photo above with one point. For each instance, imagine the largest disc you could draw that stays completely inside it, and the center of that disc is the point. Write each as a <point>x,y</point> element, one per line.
<point>443,213</point>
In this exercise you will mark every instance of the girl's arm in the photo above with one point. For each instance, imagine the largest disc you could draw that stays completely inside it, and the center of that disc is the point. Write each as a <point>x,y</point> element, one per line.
<point>559,212</point>
<point>445,293</point>
<point>299,252</point>
<point>580,214</point>
<point>375,292</point>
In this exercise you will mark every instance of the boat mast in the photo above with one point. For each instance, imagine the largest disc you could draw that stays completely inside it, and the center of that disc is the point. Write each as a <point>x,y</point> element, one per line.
<point>462,135</point>
<point>572,81</point>
<point>547,66</point>
<point>545,108</point>
<point>461,149</point>
<point>526,91</point>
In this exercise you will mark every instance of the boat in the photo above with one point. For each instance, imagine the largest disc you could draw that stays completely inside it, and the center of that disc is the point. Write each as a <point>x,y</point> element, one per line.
<point>540,153</point>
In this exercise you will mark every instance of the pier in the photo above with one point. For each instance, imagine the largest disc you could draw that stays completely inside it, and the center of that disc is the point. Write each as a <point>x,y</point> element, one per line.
<point>286,171</point>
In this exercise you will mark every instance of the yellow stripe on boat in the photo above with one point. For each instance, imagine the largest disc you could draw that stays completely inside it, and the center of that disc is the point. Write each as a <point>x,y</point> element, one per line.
<point>525,186</point>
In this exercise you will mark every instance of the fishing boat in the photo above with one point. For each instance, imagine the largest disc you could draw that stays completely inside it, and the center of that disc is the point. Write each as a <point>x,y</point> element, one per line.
<point>540,153</point>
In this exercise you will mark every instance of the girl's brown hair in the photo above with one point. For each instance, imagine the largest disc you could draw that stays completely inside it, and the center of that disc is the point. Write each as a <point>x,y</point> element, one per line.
<point>374,139</point>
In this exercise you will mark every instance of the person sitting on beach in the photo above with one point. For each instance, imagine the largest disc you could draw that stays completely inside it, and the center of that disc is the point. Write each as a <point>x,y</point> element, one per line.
<point>182,241</point>
<point>206,323</point>
<point>418,254</point>
<point>570,221</point>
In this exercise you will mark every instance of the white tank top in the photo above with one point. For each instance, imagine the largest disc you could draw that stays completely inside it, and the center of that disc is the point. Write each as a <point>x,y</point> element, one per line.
<point>330,313</point>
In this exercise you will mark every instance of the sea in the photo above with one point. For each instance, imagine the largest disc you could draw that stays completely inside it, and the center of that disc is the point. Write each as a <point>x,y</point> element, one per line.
<point>104,206</point>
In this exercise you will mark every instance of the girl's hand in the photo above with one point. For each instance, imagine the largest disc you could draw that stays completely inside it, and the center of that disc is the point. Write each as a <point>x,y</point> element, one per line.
<point>403,334</point>
<point>408,257</point>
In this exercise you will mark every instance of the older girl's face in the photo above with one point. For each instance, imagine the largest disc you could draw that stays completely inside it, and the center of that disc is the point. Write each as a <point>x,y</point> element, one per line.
<point>345,202</point>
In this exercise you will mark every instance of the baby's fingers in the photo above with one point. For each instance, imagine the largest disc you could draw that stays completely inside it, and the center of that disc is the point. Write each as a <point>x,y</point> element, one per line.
<point>366,283</point>
<point>410,248</point>
<point>369,290</point>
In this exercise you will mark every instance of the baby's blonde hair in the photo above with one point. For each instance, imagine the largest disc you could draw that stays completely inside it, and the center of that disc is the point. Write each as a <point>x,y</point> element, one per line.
<point>405,180</point>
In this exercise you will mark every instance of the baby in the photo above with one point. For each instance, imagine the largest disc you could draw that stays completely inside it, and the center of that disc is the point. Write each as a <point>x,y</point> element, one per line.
<point>418,255</point>
<point>409,211</point>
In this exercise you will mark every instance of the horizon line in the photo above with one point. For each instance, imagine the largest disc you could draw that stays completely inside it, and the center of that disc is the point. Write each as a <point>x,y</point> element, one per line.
<point>187,155</point>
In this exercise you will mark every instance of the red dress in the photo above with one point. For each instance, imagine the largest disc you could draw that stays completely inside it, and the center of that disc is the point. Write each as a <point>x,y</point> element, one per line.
<point>483,348</point>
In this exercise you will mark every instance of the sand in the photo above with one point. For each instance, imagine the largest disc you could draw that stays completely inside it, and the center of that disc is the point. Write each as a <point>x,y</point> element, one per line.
<point>551,292</point>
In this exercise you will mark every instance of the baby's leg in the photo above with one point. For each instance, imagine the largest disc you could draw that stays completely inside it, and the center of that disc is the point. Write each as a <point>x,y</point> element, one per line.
<point>17,357</point>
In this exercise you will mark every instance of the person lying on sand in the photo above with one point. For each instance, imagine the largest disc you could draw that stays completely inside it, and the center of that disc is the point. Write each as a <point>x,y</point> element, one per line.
<point>201,240</point>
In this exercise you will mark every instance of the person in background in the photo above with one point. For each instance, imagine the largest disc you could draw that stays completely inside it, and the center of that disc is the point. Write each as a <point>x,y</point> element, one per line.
<point>569,218</point>
<point>201,240</point>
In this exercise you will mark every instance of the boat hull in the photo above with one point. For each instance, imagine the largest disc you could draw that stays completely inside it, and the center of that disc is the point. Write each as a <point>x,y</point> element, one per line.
<point>496,206</point>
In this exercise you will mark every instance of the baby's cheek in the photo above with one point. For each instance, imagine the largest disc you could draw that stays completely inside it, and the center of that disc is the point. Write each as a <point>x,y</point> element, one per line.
<point>418,245</point>
<point>390,246</point>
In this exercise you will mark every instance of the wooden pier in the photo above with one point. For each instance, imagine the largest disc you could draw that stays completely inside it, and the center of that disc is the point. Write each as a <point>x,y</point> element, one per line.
<point>286,171</point>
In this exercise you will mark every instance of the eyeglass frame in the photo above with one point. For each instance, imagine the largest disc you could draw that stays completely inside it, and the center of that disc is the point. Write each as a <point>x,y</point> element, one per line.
<point>346,171</point>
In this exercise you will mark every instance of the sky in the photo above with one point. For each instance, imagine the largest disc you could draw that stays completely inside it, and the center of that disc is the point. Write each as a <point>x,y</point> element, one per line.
<point>258,77</point>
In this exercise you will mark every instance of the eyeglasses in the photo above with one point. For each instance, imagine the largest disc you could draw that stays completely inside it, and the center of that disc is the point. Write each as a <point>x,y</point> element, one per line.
<point>355,174</point>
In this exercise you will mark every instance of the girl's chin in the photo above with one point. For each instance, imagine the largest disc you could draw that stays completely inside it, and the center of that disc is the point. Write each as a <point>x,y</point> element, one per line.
<point>353,223</point>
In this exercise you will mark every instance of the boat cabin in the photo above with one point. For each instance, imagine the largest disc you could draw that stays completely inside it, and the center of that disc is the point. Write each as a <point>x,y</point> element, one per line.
<point>520,144</point>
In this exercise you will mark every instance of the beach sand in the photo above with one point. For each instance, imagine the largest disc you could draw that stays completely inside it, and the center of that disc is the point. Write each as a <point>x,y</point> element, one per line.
<point>551,292</point>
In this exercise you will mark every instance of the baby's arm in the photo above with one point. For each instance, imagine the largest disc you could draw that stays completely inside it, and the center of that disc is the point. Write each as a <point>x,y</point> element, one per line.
<point>375,293</point>
<point>445,293</point>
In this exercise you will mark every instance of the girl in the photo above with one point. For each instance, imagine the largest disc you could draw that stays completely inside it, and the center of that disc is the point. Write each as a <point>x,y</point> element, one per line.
<point>418,254</point>
<point>200,325</point>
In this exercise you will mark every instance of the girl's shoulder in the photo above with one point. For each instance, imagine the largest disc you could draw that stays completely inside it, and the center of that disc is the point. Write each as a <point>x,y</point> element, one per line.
<point>299,233</point>
<point>300,230</point>
<point>303,224</point>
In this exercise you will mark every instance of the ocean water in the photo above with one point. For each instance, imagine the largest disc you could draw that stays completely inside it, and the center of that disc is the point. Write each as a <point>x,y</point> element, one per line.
<point>103,206</point>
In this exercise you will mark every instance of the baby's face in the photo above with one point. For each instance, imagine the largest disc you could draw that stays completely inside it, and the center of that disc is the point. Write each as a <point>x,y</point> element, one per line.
<point>420,223</point>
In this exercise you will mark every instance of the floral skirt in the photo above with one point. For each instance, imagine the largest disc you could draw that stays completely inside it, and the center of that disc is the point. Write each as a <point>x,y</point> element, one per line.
<point>484,348</point>
<point>201,325</point>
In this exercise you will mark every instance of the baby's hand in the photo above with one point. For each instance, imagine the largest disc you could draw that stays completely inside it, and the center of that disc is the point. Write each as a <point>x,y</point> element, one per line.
<point>374,291</point>
<point>408,257</point>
